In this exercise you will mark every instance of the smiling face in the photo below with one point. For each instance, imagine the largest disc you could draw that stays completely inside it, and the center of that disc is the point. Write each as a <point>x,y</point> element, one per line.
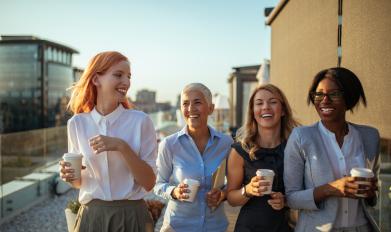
<point>114,83</point>
<point>330,110</point>
<point>195,109</point>
<point>268,110</point>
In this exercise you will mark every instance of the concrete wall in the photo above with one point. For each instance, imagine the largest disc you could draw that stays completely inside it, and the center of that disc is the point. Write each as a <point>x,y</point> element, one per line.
<point>304,41</point>
<point>366,49</point>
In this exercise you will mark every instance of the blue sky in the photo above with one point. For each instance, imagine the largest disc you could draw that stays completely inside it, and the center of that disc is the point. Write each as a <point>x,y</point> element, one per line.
<point>169,43</point>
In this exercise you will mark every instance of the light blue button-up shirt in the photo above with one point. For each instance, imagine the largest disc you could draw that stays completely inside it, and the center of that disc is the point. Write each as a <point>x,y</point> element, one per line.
<point>179,158</point>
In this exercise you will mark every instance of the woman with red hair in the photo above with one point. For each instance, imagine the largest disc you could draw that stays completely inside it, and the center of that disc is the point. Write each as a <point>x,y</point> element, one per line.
<point>118,146</point>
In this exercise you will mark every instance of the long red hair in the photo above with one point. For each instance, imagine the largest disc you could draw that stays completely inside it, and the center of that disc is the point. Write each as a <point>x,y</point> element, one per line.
<point>83,98</point>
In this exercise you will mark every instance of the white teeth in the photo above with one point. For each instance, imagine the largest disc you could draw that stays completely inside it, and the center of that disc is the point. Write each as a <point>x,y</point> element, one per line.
<point>266,115</point>
<point>193,116</point>
<point>122,90</point>
<point>326,109</point>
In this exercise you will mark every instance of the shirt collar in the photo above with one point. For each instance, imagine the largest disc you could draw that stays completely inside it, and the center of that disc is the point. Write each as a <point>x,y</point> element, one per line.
<point>327,132</point>
<point>212,131</point>
<point>324,130</point>
<point>110,118</point>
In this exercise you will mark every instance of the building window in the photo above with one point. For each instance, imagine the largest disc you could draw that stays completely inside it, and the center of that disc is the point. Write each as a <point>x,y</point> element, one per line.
<point>59,57</point>
<point>49,54</point>
<point>55,54</point>
<point>19,70</point>
<point>70,59</point>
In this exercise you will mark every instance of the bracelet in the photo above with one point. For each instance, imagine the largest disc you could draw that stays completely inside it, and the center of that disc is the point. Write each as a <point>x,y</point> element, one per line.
<point>245,193</point>
<point>173,195</point>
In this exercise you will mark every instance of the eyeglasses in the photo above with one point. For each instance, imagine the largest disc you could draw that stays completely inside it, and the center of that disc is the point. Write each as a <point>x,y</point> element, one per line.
<point>333,96</point>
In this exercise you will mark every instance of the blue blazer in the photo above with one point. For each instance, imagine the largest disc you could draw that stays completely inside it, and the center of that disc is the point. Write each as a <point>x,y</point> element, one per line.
<point>306,166</point>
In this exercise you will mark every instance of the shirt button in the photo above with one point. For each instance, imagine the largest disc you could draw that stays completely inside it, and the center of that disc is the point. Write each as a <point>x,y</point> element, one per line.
<point>345,211</point>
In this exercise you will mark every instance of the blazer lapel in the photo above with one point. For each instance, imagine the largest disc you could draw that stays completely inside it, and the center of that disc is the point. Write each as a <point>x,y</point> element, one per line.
<point>319,159</point>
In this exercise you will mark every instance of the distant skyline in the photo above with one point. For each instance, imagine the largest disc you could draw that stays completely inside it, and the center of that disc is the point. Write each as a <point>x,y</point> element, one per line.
<point>169,43</point>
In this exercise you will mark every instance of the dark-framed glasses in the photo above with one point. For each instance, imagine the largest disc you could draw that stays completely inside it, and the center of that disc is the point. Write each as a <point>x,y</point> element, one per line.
<point>333,96</point>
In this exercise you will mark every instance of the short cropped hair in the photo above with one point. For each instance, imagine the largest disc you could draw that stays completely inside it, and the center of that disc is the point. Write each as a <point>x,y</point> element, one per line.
<point>346,80</point>
<point>201,88</point>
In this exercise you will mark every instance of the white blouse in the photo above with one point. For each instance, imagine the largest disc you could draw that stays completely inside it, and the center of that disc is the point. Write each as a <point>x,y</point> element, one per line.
<point>107,176</point>
<point>343,159</point>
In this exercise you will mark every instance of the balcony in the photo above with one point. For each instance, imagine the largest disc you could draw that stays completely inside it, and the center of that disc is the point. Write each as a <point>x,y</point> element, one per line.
<point>31,192</point>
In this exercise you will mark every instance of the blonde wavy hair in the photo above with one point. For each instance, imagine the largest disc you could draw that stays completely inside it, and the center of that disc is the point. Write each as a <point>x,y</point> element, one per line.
<point>248,134</point>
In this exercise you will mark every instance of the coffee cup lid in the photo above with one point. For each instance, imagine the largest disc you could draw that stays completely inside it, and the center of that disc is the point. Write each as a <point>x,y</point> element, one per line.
<point>72,156</point>
<point>362,172</point>
<point>191,181</point>
<point>265,172</point>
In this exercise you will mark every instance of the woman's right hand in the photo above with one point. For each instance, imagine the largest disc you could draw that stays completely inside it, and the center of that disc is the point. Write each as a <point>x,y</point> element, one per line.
<point>257,186</point>
<point>180,192</point>
<point>67,173</point>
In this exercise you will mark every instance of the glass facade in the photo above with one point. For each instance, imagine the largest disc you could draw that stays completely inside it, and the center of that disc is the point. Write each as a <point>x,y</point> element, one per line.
<point>60,77</point>
<point>33,83</point>
<point>20,87</point>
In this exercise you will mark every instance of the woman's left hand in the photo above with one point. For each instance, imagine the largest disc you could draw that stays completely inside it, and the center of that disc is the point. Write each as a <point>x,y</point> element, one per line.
<point>214,197</point>
<point>372,188</point>
<point>278,200</point>
<point>101,143</point>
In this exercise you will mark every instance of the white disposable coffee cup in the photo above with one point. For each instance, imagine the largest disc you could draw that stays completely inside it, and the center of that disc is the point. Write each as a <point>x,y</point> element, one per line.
<point>362,172</point>
<point>193,186</point>
<point>268,176</point>
<point>75,161</point>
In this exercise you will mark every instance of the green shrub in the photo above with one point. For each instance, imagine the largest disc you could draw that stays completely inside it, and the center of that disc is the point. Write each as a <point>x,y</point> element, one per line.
<point>74,206</point>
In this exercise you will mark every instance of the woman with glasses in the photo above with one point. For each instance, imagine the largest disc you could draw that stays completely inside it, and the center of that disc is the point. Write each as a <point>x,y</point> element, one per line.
<point>260,145</point>
<point>319,158</point>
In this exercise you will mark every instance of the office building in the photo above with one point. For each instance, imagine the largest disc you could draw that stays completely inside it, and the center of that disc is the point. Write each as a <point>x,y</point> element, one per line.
<point>242,81</point>
<point>34,76</point>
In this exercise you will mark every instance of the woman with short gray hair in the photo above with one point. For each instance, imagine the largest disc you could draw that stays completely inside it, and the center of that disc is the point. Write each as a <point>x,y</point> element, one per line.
<point>193,153</point>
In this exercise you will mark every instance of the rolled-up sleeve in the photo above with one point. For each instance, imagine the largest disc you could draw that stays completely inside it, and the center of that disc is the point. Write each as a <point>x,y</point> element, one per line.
<point>298,197</point>
<point>164,171</point>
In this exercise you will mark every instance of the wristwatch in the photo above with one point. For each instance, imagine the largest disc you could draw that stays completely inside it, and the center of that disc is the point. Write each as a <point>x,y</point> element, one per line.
<point>244,193</point>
